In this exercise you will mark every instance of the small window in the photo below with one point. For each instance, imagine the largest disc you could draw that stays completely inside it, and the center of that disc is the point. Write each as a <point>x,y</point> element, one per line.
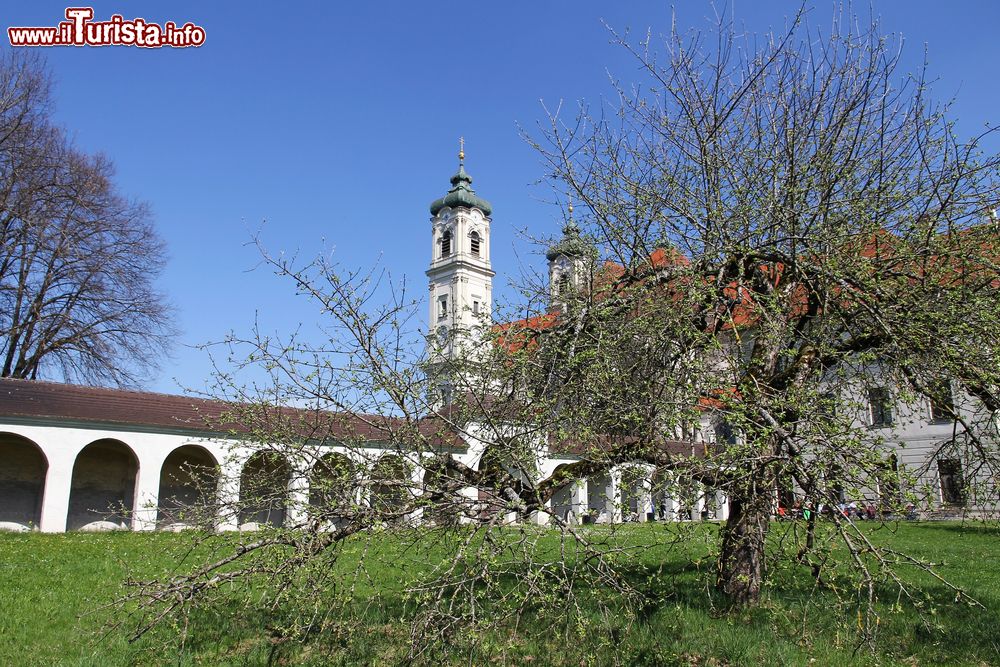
<point>952,482</point>
<point>474,243</point>
<point>443,307</point>
<point>942,402</point>
<point>475,307</point>
<point>446,244</point>
<point>880,407</point>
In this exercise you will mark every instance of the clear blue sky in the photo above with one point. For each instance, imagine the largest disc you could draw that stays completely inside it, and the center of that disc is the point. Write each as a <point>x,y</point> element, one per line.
<point>337,123</point>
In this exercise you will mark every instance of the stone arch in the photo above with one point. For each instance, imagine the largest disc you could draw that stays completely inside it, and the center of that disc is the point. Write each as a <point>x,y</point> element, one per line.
<point>562,499</point>
<point>677,497</point>
<point>23,467</point>
<point>189,480</point>
<point>664,496</point>
<point>333,488</point>
<point>264,490</point>
<point>390,486</point>
<point>489,503</point>
<point>688,497</point>
<point>444,510</point>
<point>102,491</point>
<point>600,498</point>
<point>635,491</point>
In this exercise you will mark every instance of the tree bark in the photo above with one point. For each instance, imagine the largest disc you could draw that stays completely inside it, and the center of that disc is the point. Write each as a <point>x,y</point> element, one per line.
<point>741,560</point>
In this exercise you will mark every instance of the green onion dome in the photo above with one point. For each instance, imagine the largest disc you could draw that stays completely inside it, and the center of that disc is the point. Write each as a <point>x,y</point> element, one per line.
<point>572,244</point>
<point>461,194</point>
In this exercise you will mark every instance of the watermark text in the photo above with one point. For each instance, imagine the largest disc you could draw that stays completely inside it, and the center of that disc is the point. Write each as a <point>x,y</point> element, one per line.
<point>79,29</point>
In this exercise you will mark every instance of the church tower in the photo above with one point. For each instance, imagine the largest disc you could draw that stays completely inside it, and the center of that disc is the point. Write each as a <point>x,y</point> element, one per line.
<point>571,264</point>
<point>460,278</point>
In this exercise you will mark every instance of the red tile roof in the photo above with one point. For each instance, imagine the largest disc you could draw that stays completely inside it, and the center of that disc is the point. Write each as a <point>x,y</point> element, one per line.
<point>151,411</point>
<point>53,400</point>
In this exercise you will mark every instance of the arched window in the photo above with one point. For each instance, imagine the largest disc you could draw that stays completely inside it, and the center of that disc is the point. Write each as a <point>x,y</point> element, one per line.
<point>446,244</point>
<point>474,243</point>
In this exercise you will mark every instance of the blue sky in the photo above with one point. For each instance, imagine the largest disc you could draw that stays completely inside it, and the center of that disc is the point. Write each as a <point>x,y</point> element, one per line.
<point>338,123</point>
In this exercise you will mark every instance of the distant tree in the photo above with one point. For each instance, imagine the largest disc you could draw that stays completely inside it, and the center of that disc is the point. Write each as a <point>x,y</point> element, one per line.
<point>78,261</point>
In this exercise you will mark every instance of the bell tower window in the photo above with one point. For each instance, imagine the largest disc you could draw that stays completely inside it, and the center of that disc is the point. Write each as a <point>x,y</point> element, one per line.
<point>474,243</point>
<point>443,307</point>
<point>446,244</point>
<point>562,285</point>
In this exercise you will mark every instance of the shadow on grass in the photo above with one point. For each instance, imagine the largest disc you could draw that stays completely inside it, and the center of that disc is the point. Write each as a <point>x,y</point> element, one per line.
<point>677,617</point>
<point>986,529</point>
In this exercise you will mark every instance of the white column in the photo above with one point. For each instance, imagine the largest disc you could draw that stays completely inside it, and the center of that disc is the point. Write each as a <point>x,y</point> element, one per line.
<point>722,506</point>
<point>55,498</point>
<point>416,490</point>
<point>229,495</point>
<point>644,499</point>
<point>699,502</point>
<point>670,506</point>
<point>614,504</point>
<point>298,500</point>
<point>578,501</point>
<point>147,492</point>
<point>471,493</point>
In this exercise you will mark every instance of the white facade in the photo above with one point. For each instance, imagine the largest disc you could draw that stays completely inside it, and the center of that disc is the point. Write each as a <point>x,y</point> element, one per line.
<point>58,475</point>
<point>920,440</point>
<point>66,472</point>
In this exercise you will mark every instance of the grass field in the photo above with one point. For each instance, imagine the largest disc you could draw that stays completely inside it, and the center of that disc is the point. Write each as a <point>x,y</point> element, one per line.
<point>52,588</point>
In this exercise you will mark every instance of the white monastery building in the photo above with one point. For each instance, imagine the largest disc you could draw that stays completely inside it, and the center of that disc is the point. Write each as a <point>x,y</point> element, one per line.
<point>86,458</point>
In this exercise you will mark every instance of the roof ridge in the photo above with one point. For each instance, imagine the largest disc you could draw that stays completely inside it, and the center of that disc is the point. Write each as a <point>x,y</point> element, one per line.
<point>100,388</point>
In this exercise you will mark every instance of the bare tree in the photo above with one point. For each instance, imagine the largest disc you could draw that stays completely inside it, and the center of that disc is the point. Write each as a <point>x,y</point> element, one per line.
<point>786,224</point>
<point>78,261</point>
<point>824,233</point>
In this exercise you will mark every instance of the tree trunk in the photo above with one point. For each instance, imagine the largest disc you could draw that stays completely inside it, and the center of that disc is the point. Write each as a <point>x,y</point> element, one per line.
<point>741,561</point>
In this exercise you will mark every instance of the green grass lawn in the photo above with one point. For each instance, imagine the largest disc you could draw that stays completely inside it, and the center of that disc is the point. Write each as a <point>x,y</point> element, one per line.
<point>53,588</point>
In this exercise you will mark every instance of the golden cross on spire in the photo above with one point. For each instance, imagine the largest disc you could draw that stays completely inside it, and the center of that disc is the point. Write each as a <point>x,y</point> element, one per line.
<point>461,149</point>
